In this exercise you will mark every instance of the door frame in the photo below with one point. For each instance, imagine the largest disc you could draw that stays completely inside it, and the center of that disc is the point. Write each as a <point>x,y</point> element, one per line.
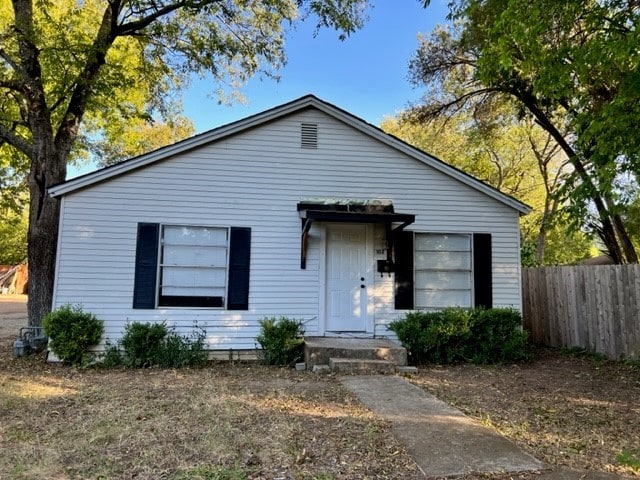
<point>369,282</point>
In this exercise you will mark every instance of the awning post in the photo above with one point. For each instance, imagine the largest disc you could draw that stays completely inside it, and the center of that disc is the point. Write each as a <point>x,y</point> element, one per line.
<point>306,226</point>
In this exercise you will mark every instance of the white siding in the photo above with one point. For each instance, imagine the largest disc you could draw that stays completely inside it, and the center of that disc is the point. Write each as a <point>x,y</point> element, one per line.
<point>255,180</point>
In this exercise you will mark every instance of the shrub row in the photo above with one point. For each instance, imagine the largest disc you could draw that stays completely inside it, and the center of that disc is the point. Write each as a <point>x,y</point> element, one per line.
<point>471,335</point>
<point>446,336</point>
<point>72,332</point>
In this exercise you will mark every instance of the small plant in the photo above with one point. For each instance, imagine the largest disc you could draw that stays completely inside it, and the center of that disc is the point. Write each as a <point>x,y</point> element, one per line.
<point>71,332</point>
<point>213,473</point>
<point>154,344</point>
<point>281,340</point>
<point>111,358</point>
<point>630,460</point>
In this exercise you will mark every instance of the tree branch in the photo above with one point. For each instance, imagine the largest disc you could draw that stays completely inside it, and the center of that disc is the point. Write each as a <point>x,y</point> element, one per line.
<point>16,141</point>
<point>134,27</point>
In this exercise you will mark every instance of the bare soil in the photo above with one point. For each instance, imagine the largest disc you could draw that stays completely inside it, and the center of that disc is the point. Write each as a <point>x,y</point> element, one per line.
<point>240,420</point>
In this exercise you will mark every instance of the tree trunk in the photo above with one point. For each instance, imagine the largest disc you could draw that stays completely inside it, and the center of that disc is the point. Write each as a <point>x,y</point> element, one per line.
<point>627,246</point>
<point>47,169</point>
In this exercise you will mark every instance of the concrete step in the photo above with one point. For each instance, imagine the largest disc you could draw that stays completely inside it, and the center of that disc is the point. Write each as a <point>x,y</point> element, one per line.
<point>318,350</point>
<point>360,366</point>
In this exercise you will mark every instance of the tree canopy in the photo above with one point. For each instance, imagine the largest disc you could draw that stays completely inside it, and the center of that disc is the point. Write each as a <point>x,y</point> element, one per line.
<point>572,67</point>
<point>66,65</point>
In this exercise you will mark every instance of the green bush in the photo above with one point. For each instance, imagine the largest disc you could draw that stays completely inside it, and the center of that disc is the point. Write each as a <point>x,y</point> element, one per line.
<point>154,344</point>
<point>182,351</point>
<point>71,332</point>
<point>456,334</point>
<point>142,343</point>
<point>497,337</point>
<point>281,340</point>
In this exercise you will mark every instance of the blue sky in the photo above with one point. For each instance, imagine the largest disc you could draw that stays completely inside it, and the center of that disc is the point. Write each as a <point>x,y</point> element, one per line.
<point>366,74</point>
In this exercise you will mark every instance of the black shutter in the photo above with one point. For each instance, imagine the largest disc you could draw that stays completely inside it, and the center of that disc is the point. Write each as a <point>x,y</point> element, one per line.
<point>144,284</point>
<point>239,261</point>
<point>482,280</point>
<point>403,249</point>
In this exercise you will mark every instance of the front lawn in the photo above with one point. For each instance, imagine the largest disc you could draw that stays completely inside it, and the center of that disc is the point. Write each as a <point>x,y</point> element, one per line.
<point>237,421</point>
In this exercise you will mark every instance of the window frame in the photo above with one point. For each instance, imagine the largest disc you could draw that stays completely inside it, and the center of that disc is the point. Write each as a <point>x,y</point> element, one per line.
<point>207,302</point>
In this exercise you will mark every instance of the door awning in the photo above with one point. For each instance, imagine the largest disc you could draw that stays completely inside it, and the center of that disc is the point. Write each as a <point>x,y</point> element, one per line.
<point>368,211</point>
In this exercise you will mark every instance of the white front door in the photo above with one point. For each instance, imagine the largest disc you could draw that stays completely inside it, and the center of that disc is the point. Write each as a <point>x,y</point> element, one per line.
<point>347,274</point>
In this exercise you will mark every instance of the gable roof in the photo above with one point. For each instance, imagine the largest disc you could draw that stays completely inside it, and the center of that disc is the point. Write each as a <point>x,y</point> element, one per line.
<point>308,101</point>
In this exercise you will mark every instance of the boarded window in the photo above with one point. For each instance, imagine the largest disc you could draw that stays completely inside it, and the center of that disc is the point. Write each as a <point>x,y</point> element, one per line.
<point>443,271</point>
<point>193,266</point>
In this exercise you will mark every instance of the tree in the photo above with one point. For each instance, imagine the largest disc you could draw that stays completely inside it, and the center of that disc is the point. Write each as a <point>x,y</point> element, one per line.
<point>65,62</point>
<point>571,66</point>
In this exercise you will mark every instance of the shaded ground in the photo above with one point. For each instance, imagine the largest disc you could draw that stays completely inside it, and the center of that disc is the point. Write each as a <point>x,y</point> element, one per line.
<point>261,422</point>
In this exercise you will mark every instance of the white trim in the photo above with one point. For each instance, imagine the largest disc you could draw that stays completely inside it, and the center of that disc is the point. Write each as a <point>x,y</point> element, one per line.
<point>322,280</point>
<point>369,279</point>
<point>268,116</point>
<point>58,255</point>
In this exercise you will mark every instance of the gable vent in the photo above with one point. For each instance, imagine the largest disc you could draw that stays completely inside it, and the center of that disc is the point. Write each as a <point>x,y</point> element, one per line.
<point>309,135</point>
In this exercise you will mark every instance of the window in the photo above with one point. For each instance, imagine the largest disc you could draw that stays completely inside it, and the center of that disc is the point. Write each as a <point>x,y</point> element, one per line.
<point>193,266</point>
<point>449,270</point>
<point>443,271</point>
<point>196,265</point>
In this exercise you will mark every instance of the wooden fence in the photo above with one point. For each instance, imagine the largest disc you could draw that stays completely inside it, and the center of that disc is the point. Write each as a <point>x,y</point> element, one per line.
<point>593,307</point>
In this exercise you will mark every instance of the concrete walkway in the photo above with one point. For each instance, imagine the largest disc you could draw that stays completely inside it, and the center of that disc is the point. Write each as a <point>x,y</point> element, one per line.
<point>442,440</point>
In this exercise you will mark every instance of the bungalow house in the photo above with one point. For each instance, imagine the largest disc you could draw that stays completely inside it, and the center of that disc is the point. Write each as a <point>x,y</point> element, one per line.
<point>303,211</point>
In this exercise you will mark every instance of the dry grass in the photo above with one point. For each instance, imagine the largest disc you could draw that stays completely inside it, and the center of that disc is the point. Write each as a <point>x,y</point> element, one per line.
<point>571,410</point>
<point>249,421</point>
<point>235,419</point>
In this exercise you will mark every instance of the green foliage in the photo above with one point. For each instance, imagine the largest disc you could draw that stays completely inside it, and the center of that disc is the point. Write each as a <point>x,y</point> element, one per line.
<point>213,473</point>
<point>630,460</point>
<point>13,236</point>
<point>496,336</point>
<point>154,344</point>
<point>573,67</point>
<point>281,340</point>
<point>142,343</point>
<point>71,332</point>
<point>112,357</point>
<point>455,334</point>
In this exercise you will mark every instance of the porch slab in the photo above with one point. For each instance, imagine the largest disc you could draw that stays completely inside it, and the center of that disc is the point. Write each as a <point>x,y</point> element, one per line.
<point>319,350</point>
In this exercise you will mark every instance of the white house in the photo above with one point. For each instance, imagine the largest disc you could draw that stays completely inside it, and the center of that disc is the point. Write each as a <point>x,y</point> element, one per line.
<point>304,211</point>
